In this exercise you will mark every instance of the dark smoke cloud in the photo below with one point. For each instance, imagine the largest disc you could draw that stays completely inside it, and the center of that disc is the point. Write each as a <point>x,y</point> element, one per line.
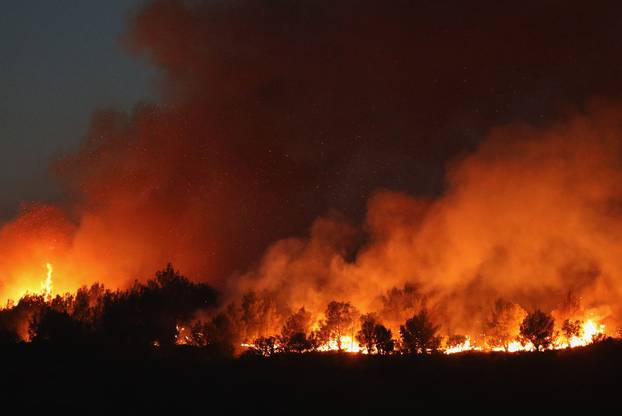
<point>275,112</point>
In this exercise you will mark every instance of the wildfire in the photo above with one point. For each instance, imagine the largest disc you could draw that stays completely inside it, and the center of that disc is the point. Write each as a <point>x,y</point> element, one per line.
<point>589,333</point>
<point>46,285</point>
<point>465,346</point>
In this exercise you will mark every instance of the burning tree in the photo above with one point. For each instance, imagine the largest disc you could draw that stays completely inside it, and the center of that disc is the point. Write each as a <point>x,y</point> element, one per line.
<point>537,327</point>
<point>572,329</point>
<point>400,304</point>
<point>419,334</point>
<point>384,342</point>
<point>366,335</point>
<point>170,309</point>
<point>259,316</point>
<point>293,336</point>
<point>375,337</point>
<point>338,323</point>
<point>504,323</point>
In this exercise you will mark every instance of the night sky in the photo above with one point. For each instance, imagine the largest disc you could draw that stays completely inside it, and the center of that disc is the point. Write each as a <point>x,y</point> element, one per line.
<point>59,61</point>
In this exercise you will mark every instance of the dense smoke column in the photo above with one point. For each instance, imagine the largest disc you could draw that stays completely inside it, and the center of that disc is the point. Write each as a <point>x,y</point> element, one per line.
<point>273,114</point>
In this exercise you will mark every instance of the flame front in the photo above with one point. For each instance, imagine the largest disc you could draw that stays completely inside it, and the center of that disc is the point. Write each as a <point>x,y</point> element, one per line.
<point>590,332</point>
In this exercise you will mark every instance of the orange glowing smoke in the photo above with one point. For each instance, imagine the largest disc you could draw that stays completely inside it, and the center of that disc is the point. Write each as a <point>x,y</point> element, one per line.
<point>530,216</point>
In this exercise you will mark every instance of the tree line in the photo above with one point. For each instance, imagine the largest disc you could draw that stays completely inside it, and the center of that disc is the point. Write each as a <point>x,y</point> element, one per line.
<point>417,335</point>
<point>141,315</point>
<point>170,310</point>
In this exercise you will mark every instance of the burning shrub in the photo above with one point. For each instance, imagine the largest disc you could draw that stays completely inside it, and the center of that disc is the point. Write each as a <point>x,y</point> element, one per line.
<point>572,329</point>
<point>419,334</point>
<point>366,335</point>
<point>338,323</point>
<point>398,304</point>
<point>504,323</point>
<point>258,316</point>
<point>383,339</point>
<point>293,337</point>
<point>375,337</point>
<point>537,327</point>
<point>17,319</point>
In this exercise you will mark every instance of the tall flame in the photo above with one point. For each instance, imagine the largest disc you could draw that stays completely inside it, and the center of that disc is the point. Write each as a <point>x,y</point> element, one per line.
<point>46,285</point>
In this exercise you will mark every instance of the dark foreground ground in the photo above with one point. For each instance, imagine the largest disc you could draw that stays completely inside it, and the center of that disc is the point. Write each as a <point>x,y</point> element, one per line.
<point>87,380</point>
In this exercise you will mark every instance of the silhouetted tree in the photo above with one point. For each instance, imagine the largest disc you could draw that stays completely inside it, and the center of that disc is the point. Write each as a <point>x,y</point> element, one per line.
<point>58,327</point>
<point>398,304</point>
<point>259,316</point>
<point>339,322</point>
<point>383,340</point>
<point>537,327</point>
<point>252,311</point>
<point>419,334</point>
<point>366,336</point>
<point>293,336</point>
<point>571,329</point>
<point>316,339</point>
<point>19,318</point>
<point>374,337</point>
<point>297,322</point>
<point>223,333</point>
<point>62,303</point>
<point>151,312</point>
<point>504,323</point>
<point>571,304</point>
<point>88,303</point>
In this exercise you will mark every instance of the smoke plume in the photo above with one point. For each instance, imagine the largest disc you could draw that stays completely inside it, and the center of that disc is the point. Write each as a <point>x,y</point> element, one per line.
<point>273,114</point>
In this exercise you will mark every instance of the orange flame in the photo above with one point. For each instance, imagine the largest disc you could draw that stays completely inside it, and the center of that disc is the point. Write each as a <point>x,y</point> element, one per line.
<point>47,286</point>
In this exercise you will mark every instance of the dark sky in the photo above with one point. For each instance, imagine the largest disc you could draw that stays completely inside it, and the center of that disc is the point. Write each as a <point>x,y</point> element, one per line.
<point>59,61</point>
